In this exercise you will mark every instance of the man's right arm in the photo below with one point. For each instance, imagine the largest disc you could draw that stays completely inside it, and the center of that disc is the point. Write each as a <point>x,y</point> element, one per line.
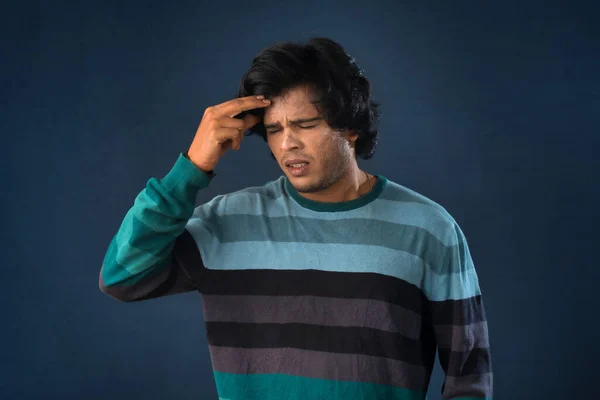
<point>153,254</point>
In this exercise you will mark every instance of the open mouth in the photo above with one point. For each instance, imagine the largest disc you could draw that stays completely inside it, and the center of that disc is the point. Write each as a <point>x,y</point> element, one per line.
<point>297,167</point>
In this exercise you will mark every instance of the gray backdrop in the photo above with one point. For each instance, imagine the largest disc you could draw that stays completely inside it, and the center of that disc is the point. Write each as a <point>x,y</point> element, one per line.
<point>491,110</point>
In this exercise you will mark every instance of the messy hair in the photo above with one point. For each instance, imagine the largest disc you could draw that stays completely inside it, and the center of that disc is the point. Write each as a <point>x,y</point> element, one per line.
<point>342,94</point>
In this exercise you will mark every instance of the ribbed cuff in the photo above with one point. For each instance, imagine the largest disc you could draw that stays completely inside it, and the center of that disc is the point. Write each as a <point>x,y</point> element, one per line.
<point>185,177</point>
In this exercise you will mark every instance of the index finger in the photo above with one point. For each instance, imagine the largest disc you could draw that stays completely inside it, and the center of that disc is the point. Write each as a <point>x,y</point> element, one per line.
<point>233,107</point>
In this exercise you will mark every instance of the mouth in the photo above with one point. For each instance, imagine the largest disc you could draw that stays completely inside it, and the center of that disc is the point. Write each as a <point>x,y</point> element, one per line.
<point>297,167</point>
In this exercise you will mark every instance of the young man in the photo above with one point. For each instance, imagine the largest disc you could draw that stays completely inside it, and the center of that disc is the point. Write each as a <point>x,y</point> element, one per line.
<point>327,283</point>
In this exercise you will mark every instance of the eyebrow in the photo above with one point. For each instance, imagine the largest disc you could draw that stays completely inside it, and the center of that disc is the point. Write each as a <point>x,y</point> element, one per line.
<point>293,122</point>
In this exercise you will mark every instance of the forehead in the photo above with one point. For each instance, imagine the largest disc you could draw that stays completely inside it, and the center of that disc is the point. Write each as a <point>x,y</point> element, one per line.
<point>292,104</point>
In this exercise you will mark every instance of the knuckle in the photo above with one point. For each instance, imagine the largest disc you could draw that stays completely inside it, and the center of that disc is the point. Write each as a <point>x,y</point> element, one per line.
<point>209,110</point>
<point>211,125</point>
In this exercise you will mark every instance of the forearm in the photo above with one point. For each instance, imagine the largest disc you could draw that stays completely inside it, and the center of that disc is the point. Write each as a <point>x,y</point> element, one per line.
<point>461,332</point>
<point>140,256</point>
<point>460,323</point>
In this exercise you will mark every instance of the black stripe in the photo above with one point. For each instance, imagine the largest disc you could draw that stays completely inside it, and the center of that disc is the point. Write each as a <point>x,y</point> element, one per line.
<point>458,312</point>
<point>186,256</point>
<point>314,283</point>
<point>181,266</point>
<point>474,362</point>
<point>349,340</point>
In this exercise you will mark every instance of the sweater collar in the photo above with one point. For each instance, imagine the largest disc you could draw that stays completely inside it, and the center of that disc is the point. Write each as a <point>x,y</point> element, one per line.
<point>375,191</point>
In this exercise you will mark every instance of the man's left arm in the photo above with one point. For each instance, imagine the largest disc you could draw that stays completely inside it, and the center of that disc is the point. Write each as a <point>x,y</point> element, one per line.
<point>459,322</point>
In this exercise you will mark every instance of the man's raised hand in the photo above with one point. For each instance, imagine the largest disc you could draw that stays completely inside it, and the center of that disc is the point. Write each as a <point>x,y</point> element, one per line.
<point>219,130</point>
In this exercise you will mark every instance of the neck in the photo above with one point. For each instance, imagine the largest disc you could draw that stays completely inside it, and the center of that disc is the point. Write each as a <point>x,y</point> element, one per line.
<point>354,184</point>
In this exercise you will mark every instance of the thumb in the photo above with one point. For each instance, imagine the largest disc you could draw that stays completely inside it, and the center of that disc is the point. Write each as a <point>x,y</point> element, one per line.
<point>250,120</point>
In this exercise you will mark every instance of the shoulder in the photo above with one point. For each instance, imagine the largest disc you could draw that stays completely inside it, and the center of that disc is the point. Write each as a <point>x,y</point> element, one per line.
<point>249,200</point>
<point>410,207</point>
<point>439,239</point>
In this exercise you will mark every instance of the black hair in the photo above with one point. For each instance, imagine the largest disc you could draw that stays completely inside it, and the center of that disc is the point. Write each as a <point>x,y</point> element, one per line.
<point>342,94</point>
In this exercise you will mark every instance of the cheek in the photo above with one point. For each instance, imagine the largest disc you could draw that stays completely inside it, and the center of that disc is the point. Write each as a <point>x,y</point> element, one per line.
<point>333,146</point>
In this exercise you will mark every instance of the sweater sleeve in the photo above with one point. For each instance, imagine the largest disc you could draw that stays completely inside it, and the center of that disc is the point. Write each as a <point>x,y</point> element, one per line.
<point>460,324</point>
<point>153,254</point>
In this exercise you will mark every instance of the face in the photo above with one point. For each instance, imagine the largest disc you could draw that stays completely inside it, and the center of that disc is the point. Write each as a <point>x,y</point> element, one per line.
<point>296,131</point>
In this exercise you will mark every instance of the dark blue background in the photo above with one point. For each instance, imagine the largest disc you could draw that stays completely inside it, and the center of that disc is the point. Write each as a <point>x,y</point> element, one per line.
<point>491,110</point>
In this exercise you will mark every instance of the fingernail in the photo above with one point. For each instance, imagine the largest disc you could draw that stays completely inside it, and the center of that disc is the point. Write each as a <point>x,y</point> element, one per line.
<point>260,97</point>
<point>266,101</point>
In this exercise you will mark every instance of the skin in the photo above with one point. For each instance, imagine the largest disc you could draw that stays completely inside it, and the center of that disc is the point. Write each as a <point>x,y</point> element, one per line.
<point>219,131</point>
<point>333,174</point>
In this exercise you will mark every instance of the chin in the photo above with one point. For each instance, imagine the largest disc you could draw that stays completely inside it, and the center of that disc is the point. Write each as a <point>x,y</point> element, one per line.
<point>305,184</point>
<point>303,188</point>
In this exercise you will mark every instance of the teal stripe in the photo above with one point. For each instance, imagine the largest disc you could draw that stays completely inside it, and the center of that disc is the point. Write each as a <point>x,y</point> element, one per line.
<point>148,231</point>
<point>279,386</point>
<point>404,238</point>
<point>270,203</point>
<point>139,245</point>
<point>114,273</point>
<point>340,258</point>
<point>398,193</point>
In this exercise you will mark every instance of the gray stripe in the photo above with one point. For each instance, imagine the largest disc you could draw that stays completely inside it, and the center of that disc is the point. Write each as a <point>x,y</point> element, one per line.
<point>470,385</point>
<point>320,365</point>
<point>462,337</point>
<point>313,310</point>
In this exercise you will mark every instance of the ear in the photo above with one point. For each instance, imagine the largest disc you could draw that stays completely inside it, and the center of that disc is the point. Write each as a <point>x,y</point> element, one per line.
<point>351,136</point>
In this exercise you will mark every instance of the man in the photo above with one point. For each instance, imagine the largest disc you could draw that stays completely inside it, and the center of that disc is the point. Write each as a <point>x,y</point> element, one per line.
<point>327,283</point>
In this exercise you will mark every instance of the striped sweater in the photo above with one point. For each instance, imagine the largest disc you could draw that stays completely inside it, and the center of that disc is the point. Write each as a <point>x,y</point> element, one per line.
<point>310,300</point>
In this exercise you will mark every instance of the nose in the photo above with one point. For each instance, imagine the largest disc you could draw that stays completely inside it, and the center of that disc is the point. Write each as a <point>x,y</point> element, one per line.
<point>289,140</point>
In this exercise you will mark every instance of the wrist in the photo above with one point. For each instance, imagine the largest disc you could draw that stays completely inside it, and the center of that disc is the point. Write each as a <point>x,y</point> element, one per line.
<point>206,169</point>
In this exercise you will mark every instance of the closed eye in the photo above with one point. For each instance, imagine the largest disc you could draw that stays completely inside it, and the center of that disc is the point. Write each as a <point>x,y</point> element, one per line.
<point>302,127</point>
